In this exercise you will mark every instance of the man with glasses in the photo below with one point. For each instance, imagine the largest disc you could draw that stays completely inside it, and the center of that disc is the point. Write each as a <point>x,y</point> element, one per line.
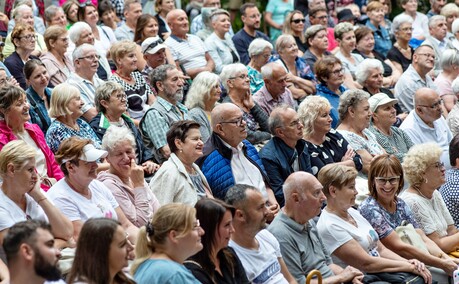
<point>415,77</point>
<point>326,20</point>
<point>86,62</point>
<point>437,39</point>
<point>229,159</point>
<point>426,124</point>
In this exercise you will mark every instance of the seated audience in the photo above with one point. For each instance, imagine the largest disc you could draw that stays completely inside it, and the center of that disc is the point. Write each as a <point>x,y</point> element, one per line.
<point>286,152</point>
<point>102,252</point>
<point>147,26</point>
<point>216,262</point>
<point>437,40</point>
<point>108,15</point>
<point>201,99</point>
<point>67,108</point>
<point>426,124</point>
<point>449,65</point>
<point>449,189</point>
<point>256,247</point>
<point>297,234</point>
<point>420,21</point>
<point>436,6</point>
<point>451,12</point>
<point>173,235</point>
<point>259,52</point>
<point>352,240</point>
<point>197,24</point>
<point>179,179</point>
<point>206,29</point>
<point>455,32</point>
<point>317,41</point>
<point>155,54</point>
<point>375,13</point>
<point>131,12</point>
<point>318,16</point>
<point>294,25</point>
<point>54,15</point>
<point>401,53</point>
<point>235,80</point>
<point>70,8</point>
<point>14,125</point>
<point>24,11</point>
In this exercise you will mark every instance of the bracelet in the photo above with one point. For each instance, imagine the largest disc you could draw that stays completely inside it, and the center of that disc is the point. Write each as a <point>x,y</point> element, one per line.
<point>44,198</point>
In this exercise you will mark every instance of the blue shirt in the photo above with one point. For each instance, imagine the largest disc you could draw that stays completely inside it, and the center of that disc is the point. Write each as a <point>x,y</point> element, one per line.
<point>333,99</point>
<point>163,271</point>
<point>38,112</point>
<point>382,39</point>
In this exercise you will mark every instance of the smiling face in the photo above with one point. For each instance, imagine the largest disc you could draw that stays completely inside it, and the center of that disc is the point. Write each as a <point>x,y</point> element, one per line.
<point>59,19</point>
<point>18,113</point>
<point>192,146</point>
<point>179,23</point>
<point>386,190</point>
<point>215,93</point>
<point>120,158</point>
<point>151,29</point>
<point>297,23</point>
<point>39,78</point>
<point>119,251</point>
<point>224,231</point>
<point>376,16</point>
<point>385,115</point>
<point>91,16</point>
<point>128,61</point>
<point>116,104</point>
<point>86,36</point>
<point>222,24</point>
<point>361,115</point>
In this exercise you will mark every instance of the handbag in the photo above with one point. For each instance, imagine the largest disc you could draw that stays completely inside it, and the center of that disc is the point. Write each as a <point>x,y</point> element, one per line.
<point>408,234</point>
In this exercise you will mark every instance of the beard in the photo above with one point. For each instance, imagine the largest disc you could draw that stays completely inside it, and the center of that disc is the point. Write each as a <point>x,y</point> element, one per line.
<point>45,269</point>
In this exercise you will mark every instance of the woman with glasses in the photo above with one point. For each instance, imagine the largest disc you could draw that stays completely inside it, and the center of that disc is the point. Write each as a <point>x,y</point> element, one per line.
<point>294,25</point>
<point>235,80</point>
<point>259,52</point>
<point>57,63</point>
<point>179,179</point>
<point>450,71</point>
<point>401,52</point>
<point>385,211</point>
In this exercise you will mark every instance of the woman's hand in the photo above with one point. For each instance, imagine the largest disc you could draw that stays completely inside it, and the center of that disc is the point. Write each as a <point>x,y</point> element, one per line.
<point>248,100</point>
<point>137,177</point>
<point>349,156</point>
<point>449,266</point>
<point>149,167</point>
<point>421,270</point>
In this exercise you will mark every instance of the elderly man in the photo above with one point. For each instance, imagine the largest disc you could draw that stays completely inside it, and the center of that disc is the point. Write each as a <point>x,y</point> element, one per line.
<point>257,248</point>
<point>426,124</point>
<point>86,62</point>
<point>154,53</point>
<point>275,91</point>
<point>230,159</point>
<point>435,7</point>
<point>189,51</point>
<point>415,77</point>
<point>286,152</point>
<point>297,234</point>
<point>168,83</point>
<point>251,17</point>
<point>132,12</point>
<point>437,39</point>
<point>31,254</point>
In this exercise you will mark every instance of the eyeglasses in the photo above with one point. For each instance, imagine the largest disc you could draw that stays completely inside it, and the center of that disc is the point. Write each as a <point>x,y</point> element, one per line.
<point>121,96</point>
<point>338,72</point>
<point>383,180</point>
<point>153,45</point>
<point>428,55</point>
<point>435,105</point>
<point>91,57</point>
<point>238,122</point>
<point>406,29</point>
<point>297,21</point>
<point>439,165</point>
<point>242,77</point>
<point>29,37</point>
<point>321,17</point>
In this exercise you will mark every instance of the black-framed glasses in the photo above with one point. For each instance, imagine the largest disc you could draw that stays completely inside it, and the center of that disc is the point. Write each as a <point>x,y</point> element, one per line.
<point>242,77</point>
<point>435,105</point>
<point>91,57</point>
<point>153,45</point>
<point>29,37</point>
<point>439,165</point>
<point>238,122</point>
<point>383,180</point>
<point>297,21</point>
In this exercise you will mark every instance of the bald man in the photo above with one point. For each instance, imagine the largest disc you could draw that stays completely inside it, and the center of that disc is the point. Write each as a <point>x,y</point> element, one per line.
<point>189,51</point>
<point>297,234</point>
<point>426,123</point>
<point>229,159</point>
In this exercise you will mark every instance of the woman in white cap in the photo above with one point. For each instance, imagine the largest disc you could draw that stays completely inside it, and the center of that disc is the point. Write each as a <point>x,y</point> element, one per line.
<point>394,140</point>
<point>79,195</point>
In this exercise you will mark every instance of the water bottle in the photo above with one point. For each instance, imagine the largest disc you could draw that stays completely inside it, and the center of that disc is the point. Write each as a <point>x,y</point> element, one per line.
<point>456,276</point>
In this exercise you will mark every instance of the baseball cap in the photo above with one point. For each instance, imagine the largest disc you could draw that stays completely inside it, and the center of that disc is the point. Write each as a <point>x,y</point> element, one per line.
<point>378,100</point>
<point>152,45</point>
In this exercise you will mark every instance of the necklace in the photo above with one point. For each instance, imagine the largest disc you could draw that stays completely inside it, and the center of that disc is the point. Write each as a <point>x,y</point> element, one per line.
<point>420,193</point>
<point>129,79</point>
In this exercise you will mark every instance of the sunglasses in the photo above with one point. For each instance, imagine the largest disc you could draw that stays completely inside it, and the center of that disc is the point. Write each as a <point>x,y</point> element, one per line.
<point>153,45</point>
<point>83,5</point>
<point>297,21</point>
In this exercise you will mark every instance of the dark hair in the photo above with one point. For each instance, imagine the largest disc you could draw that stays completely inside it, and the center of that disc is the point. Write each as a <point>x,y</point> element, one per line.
<point>30,66</point>
<point>22,232</point>
<point>237,194</point>
<point>316,10</point>
<point>179,130</point>
<point>66,7</point>
<point>323,67</point>
<point>104,6</point>
<point>91,263</point>
<point>142,22</point>
<point>454,150</point>
<point>210,213</point>
<point>82,10</point>
<point>245,7</point>
<point>8,96</point>
<point>159,74</point>
<point>361,32</point>
<point>380,166</point>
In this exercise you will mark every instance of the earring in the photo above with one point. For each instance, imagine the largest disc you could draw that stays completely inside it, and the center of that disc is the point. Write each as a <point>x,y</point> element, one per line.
<point>425,180</point>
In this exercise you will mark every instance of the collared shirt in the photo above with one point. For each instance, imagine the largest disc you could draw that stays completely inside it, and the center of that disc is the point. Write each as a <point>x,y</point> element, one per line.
<point>407,85</point>
<point>382,38</point>
<point>87,89</point>
<point>189,52</point>
<point>266,101</point>
<point>124,32</point>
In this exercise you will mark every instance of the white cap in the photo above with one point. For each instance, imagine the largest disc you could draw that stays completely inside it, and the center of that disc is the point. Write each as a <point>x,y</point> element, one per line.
<point>152,45</point>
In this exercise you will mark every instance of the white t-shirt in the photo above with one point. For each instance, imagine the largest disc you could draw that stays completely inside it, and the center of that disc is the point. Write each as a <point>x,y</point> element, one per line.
<point>262,265</point>
<point>76,207</point>
<point>10,213</point>
<point>335,232</point>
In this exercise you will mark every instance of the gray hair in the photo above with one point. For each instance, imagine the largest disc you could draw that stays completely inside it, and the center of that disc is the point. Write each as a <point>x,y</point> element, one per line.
<point>81,50</point>
<point>237,195</point>
<point>267,70</point>
<point>312,31</point>
<point>51,11</point>
<point>218,12</point>
<point>400,20</point>
<point>342,28</point>
<point>309,110</point>
<point>104,92</point>
<point>230,71</point>
<point>159,74</point>
<point>449,58</point>
<point>115,135</point>
<point>362,72</point>
<point>257,46</point>
<point>449,9</point>
<point>434,19</point>
<point>455,86</point>
<point>276,119</point>
<point>201,88</point>
<point>282,40</point>
<point>17,12</point>
<point>455,26</point>
<point>76,30</point>
<point>350,98</point>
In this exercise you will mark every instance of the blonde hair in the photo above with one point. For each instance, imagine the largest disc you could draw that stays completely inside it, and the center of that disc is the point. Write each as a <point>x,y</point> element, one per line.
<point>16,152</point>
<point>418,159</point>
<point>174,216</point>
<point>309,110</point>
<point>121,48</point>
<point>60,97</point>
<point>336,175</point>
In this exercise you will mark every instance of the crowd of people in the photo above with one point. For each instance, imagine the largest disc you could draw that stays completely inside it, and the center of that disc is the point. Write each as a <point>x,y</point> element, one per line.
<point>145,143</point>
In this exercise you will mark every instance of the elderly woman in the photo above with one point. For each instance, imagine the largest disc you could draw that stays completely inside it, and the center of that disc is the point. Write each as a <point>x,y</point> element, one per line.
<point>236,81</point>
<point>451,12</point>
<point>57,63</point>
<point>330,73</point>
<point>375,13</point>
<point>21,198</point>
<point>354,113</point>
<point>79,195</point>
<point>300,77</point>
<point>259,53</point>
<point>125,178</point>
<point>110,101</point>
<point>294,25</point>
<point>450,65</point>
<point>70,8</point>
<point>66,108</point>
<point>219,44</point>
<point>401,53</point>
<point>394,140</point>
<point>14,125</point>
<point>455,32</point>
<point>201,99</point>
<point>426,173</point>
<point>352,240</point>
<point>386,211</point>
<point>179,179</point>
<point>325,145</point>
<point>139,94</point>
<point>317,42</point>
<point>38,93</point>
<point>173,235</point>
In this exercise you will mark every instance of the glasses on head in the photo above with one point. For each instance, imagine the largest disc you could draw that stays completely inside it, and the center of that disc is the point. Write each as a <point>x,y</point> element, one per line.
<point>383,180</point>
<point>338,72</point>
<point>428,55</point>
<point>238,122</point>
<point>91,57</point>
<point>121,96</point>
<point>435,105</point>
<point>242,77</point>
<point>153,45</point>
<point>29,37</point>
<point>297,21</point>
<point>439,165</point>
